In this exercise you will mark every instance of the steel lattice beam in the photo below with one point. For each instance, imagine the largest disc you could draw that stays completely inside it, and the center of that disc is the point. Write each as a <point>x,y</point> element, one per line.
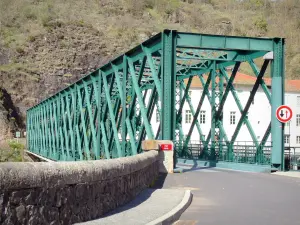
<point>108,113</point>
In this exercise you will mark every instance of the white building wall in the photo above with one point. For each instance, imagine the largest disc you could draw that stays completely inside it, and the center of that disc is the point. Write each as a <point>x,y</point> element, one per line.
<point>259,115</point>
<point>293,100</point>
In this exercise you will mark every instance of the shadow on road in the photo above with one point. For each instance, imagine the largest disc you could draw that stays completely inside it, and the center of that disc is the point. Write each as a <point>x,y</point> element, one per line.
<point>160,181</point>
<point>141,197</point>
<point>195,166</point>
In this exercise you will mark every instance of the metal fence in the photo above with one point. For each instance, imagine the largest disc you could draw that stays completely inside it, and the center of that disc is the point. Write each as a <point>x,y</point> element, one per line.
<point>238,151</point>
<point>292,158</point>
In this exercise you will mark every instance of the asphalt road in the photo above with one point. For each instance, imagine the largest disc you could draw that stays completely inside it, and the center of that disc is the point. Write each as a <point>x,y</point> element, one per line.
<point>232,198</point>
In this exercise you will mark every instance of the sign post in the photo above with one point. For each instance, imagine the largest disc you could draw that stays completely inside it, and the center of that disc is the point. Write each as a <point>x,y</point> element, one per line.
<point>166,147</point>
<point>166,153</point>
<point>18,135</point>
<point>284,113</point>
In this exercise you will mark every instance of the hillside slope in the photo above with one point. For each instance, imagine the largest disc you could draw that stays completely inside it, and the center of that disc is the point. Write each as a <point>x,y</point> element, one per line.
<point>46,45</point>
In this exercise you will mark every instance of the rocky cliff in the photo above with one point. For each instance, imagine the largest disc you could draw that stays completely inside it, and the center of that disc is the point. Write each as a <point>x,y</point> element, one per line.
<point>47,45</point>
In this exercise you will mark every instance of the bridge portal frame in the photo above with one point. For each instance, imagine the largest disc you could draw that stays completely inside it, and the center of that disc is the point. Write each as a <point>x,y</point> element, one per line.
<point>107,113</point>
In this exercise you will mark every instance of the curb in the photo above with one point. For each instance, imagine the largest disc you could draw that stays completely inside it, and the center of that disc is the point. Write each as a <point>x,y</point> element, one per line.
<point>176,212</point>
<point>288,174</point>
<point>39,156</point>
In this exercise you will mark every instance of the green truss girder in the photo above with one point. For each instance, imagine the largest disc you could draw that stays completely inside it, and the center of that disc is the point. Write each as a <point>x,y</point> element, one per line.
<point>168,84</point>
<point>204,93</point>
<point>240,107</point>
<point>194,114</point>
<point>218,113</point>
<point>218,119</point>
<point>207,41</point>
<point>108,113</point>
<point>250,100</point>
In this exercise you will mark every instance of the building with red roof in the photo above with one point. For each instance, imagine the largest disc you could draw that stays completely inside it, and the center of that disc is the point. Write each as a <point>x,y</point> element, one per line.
<point>259,114</point>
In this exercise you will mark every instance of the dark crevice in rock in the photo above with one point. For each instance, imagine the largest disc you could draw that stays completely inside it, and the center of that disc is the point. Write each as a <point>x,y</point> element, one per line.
<point>4,198</point>
<point>13,113</point>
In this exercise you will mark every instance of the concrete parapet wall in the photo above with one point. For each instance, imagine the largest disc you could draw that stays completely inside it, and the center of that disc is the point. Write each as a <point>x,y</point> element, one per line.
<point>70,192</point>
<point>166,156</point>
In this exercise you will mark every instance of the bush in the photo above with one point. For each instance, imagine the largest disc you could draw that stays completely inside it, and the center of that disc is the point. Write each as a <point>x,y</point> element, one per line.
<point>29,14</point>
<point>12,153</point>
<point>15,145</point>
<point>20,50</point>
<point>31,38</point>
<point>149,4</point>
<point>49,22</point>
<point>168,7</point>
<point>261,24</point>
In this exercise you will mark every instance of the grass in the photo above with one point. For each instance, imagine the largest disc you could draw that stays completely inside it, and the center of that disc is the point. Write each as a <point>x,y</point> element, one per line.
<point>123,21</point>
<point>11,151</point>
<point>12,67</point>
<point>44,39</point>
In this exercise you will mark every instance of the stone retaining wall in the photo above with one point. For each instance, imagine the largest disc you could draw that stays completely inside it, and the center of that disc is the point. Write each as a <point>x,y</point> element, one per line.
<point>70,192</point>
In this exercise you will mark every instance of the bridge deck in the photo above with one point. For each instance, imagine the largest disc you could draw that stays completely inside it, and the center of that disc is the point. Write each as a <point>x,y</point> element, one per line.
<point>228,197</point>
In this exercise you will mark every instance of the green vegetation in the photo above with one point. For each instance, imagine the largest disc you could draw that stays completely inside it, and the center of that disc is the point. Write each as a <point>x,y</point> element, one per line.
<point>11,151</point>
<point>46,45</point>
<point>127,22</point>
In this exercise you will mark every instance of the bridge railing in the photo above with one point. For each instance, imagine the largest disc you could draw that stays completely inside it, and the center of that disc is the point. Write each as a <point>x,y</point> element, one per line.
<point>239,152</point>
<point>292,158</point>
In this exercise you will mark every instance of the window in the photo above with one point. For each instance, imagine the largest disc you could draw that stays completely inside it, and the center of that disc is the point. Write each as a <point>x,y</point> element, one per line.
<point>298,120</point>
<point>298,139</point>
<point>298,100</point>
<point>286,139</point>
<point>202,117</point>
<point>188,116</point>
<point>157,116</point>
<point>232,117</point>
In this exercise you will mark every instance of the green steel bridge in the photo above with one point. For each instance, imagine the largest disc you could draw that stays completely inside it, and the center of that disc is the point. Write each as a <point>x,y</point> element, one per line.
<point>107,113</point>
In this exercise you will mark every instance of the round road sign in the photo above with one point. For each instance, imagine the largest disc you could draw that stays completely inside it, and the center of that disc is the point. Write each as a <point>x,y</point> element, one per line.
<point>284,113</point>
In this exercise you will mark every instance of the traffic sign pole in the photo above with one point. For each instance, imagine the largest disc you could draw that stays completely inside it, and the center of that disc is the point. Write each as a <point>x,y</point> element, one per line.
<point>284,113</point>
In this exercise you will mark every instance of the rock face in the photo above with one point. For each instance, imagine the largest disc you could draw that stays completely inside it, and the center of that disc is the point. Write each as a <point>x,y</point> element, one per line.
<point>49,62</point>
<point>70,192</point>
<point>63,55</point>
<point>10,119</point>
